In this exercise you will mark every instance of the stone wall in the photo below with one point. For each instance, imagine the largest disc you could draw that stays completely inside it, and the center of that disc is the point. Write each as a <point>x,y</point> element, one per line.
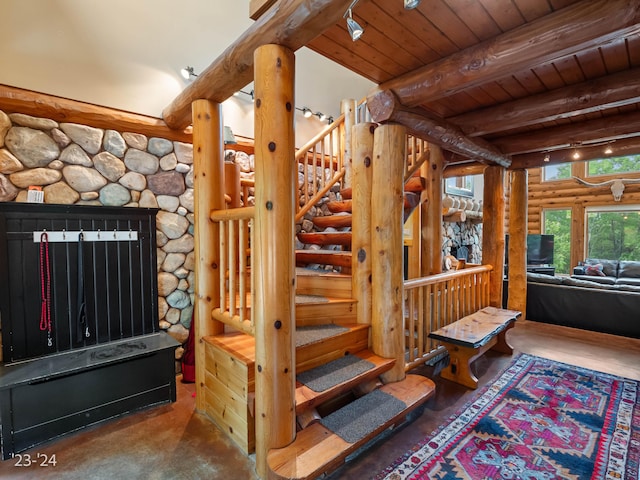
<point>78,164</point>
<point>468,234</point>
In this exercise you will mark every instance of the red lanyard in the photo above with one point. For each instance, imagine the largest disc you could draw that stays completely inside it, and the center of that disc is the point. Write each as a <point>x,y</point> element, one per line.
<point>45,287</point>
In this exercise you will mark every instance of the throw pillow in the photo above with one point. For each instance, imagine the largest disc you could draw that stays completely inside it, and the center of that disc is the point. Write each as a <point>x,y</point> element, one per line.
<point>595,270</point>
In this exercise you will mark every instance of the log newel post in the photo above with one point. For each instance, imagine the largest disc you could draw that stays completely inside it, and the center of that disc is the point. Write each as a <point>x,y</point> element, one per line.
<point>432,214</point>
<point>387,332</point>
<point>517,274</point>
<point>273,251</point>
<point>493,230</point>
<point>348,109</point>
<point>362,143</point>
<point>208,179</point>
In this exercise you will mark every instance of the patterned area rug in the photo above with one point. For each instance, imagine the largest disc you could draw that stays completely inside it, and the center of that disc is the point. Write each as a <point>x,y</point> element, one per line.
<point>539,420</point>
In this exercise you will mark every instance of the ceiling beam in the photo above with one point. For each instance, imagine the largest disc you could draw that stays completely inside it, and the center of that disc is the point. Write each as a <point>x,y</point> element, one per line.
<point>612,91</point>
<point>603,129</point>
<point>291,23</point>
<point>621,148</point>
<point>384,106</point>
<point>568,31</point>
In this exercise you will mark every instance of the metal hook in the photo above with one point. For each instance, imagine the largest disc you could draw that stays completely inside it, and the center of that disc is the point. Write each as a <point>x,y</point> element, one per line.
<point>98,233</point>
<point>114,233</point>
<point>129,233</point>
<point>64,234</point>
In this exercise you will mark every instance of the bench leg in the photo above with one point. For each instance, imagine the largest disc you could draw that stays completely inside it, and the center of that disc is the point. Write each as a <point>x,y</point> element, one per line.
<point>460,359</point>
<point>502,345</point>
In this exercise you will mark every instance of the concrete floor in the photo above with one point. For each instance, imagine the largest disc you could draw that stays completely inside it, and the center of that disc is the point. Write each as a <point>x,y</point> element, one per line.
<point>174,442</point>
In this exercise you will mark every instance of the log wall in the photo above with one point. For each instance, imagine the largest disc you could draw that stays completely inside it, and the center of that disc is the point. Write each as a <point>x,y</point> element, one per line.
<point>569,194</point>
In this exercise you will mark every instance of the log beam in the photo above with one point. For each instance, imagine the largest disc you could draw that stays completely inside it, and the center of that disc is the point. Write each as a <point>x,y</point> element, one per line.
<point>385,106</point>
<point>208,180</point>
<point>290,23</point>
<point>18,100</point>
<point>590,131</point>
<point>362,163</point>
<point>518,241</point>
<point>274,233</point>
<point>493,231</point>
<point>431,213</point>
<point>613,91</point>
<point>387,338</point>
<point>563,33</point>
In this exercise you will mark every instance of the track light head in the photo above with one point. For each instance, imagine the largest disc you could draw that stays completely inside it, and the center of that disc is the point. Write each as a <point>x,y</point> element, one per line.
<point>187,72</point>
<point>355,30</point>
<point>410,4</point>
<point>306,112</point>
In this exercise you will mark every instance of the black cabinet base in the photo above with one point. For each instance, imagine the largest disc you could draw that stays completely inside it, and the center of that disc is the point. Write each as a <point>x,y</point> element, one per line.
<point>86,389</point>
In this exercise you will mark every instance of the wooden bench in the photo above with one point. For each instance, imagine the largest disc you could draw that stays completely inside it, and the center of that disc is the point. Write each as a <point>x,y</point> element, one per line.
<point>470,337</point>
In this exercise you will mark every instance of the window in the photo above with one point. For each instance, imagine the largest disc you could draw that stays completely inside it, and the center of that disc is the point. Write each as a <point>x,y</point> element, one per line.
<point>459,186</point>
<point>561,171</point>
<point>614,234</point>
<point>557,222</point>
<point>607,166</point>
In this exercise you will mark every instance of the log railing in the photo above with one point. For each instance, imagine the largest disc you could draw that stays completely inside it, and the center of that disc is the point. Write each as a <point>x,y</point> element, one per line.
<point>236,281</point>
<point>438,300</point>
<point>417,154</point>
<point>321,163</point>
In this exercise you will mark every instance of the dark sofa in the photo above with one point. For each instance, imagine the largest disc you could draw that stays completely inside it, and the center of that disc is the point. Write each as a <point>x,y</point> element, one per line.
<point>609,272</point>
<point>578,303</point>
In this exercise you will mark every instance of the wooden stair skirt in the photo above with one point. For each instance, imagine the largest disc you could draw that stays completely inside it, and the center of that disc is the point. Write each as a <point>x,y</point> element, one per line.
<point>230,376</point>
<point>317,450</point>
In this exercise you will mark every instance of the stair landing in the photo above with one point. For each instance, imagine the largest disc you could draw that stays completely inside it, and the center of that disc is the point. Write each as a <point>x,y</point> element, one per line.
<point>317,450</point>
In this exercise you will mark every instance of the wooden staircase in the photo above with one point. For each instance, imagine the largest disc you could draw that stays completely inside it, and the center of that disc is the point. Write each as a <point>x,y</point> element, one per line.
<point>335,245</point>
<point>323,301</point>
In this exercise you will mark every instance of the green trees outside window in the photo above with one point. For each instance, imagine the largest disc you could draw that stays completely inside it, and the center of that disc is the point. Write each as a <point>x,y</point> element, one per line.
<point>614,235</point>
<point>557,222</point>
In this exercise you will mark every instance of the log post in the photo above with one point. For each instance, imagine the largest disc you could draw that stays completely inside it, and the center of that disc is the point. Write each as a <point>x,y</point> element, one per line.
<point>348,109</point>
<point>208,180</point>
<point>578,251</point>
<point>493,230</point>
<point>274,262</point>
<point>362,143</point>
<point>232,183</point>
<point>518,241</point>
<point>432,215</point>
<point>387,292</point>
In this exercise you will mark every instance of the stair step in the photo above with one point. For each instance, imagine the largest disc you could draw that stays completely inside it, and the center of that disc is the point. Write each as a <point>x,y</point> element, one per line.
<point>415,184</point>
<point>351,341</point>
<point>325,238</point>
<point>340,220</point>
<point>323,257</point>
<point>317,450</point>
<point>339,206</point>
<point>346,193</point>
<point>328,284</point>
<point>340,310</point>
<point>308,398</point>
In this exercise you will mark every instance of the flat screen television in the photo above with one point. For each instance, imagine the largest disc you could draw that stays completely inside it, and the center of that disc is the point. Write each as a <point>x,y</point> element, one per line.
<point>539,249</point>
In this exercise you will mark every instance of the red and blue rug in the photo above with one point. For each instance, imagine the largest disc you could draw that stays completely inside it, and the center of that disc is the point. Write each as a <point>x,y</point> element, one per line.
<point>539,420</point>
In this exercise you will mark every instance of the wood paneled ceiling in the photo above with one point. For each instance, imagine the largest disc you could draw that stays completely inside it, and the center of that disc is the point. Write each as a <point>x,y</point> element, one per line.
<point>487,79</point>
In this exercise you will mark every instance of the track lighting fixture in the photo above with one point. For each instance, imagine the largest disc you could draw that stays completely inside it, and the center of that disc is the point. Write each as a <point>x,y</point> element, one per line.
<point>321,116</point>
<point>576,155</point>
<point>546,158</point>
<point>306,112</point>
<point>608,150</point>
<point>409,4</point>
<point>355,30</point>
<point>187,72</point>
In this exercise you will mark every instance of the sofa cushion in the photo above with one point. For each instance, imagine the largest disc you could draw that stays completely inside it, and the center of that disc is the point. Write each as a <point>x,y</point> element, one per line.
<point>609,267</point>
<point>593,279</point>
<point>629,269</point>
<point>622,281</point>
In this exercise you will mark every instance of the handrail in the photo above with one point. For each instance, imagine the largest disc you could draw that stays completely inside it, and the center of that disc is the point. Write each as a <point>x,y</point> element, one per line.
<point>438,300</point>
<point>235,268</point>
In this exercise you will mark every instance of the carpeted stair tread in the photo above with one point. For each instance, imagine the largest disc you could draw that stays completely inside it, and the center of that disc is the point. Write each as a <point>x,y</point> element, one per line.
<point>317,449</point>
<point>316,333</point>
<point>307,397</point>
<point>359,418</point>
<point>332,373</point>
